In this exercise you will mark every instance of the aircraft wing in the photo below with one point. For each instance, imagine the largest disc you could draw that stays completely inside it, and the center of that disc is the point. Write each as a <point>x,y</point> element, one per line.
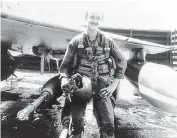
<point>31,37</point>
<point>132,43</point>
<point>25,33</point>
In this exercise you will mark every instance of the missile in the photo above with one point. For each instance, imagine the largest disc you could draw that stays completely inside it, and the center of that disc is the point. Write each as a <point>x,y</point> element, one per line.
<point>156,83</point>
<point>50,90</point>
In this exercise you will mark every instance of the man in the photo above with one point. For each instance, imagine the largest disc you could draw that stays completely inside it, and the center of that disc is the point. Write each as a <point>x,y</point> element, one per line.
<point>99,58</point>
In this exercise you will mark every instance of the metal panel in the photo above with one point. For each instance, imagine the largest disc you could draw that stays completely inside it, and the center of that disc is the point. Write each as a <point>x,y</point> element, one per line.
<point>174,52</point>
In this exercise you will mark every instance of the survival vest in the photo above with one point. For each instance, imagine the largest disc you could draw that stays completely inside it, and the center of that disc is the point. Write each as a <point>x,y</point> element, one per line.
<point>94,60</point>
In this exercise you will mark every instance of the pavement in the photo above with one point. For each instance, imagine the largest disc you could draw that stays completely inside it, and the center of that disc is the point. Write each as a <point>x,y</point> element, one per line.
<point>135,118</point>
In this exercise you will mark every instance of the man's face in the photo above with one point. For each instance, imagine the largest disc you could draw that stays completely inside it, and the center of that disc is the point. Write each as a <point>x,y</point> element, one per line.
<point>94,20</point>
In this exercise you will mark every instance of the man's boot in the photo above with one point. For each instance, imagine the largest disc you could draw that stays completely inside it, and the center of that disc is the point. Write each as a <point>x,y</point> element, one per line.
<point>78,132</point>
<point>77,136</point>
<point>104,135</point>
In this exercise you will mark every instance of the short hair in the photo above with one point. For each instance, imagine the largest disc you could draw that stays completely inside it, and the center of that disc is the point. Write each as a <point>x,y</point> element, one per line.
<point>94,10</point>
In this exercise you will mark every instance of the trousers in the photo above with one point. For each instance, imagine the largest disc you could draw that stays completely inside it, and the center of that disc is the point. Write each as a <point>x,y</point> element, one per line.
<point>103,108</point>
<point>77,110</point>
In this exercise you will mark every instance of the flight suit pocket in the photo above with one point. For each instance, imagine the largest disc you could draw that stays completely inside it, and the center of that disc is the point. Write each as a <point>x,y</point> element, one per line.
<point>89,51</point>
<point>104,80</point>
<point>99,51</point>
<point>81,51</point>
<point>103,69</point>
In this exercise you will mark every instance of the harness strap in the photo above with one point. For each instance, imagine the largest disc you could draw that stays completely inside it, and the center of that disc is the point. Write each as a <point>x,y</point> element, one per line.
<point>104,42</point>
<point>81,40</point>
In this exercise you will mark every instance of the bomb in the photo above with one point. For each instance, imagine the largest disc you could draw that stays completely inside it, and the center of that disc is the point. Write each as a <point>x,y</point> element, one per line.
<point>50,90</point>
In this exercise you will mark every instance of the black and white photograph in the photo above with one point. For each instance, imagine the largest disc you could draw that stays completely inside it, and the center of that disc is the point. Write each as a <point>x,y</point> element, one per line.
<point>88,69</point>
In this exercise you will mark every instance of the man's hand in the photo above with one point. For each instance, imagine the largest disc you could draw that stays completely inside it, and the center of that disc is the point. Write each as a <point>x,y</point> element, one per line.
<point>68,86</point>
<point>64,84</point>
<point>110,89</point>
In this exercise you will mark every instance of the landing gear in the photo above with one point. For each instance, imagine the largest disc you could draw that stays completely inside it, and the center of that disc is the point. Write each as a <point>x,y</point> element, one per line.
<point>46,57</point>
<point>8,63</point>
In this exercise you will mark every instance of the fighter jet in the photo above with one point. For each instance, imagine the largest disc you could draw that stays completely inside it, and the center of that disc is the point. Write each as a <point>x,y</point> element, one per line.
<point>36,38</point>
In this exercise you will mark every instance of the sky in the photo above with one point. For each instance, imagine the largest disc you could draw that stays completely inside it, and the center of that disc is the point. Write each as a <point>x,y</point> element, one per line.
<point>134,14</point>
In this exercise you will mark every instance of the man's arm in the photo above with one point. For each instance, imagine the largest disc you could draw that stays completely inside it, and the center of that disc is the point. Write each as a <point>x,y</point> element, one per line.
<point>67,62</point>
<point>121,62</point>
<point>68,59</point>
<point>121,65</point>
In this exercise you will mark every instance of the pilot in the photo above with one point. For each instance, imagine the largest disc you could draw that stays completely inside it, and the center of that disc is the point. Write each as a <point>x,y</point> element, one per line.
<point>98,57</point>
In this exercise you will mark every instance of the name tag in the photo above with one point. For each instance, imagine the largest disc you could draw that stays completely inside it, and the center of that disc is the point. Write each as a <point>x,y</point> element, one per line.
<point>80,46</point>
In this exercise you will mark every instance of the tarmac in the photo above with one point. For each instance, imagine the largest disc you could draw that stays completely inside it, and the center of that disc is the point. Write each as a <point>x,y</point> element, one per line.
<point>135,118</point>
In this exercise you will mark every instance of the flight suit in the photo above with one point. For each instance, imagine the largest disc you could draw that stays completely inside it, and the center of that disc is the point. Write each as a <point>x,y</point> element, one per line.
<point>101,60</point>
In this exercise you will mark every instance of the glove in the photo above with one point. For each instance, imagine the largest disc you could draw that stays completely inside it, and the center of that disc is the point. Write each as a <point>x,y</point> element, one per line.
<point>68,86</point>
<point>76,79</point>
<point>65,84</point>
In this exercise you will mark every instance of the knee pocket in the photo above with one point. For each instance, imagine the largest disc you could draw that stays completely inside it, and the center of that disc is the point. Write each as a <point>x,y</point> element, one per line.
<point>78,122</point>
<point>78,130</point>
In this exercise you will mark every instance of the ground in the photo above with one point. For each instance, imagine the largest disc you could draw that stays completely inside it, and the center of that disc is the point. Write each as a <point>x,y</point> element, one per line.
<point>135,118</point>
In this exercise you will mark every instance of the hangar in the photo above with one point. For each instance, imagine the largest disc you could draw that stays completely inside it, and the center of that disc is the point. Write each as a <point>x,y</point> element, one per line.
<point>165,37</point>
